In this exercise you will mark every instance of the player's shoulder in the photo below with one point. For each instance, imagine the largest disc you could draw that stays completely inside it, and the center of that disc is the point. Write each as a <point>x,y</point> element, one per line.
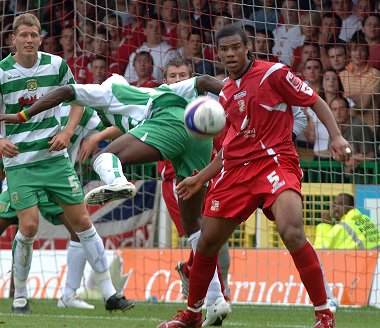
<point>7,63</point>
<point>47,57</point>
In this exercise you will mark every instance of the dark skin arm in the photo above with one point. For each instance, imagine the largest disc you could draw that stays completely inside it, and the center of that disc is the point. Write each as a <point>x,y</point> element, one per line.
<point>53,98</point>
<point>208,83</point>
<point>204,83</point>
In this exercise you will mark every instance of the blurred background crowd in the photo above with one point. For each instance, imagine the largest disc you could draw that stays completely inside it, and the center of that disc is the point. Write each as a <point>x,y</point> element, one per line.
<point>334,45</point>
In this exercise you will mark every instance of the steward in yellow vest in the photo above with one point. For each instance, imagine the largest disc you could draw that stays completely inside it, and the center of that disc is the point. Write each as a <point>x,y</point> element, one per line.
<point>353,231</point>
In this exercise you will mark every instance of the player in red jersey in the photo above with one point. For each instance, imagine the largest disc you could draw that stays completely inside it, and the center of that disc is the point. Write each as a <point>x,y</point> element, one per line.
<point>257,166</point>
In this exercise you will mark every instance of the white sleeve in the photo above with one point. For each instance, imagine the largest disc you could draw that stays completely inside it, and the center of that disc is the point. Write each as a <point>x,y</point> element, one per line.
<point>186,88</point>
<point>92,95</point>
<point>300,120</point>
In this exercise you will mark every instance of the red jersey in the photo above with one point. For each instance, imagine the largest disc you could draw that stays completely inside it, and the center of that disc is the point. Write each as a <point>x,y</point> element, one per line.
<point>259,114</point>
<point>151,83</point>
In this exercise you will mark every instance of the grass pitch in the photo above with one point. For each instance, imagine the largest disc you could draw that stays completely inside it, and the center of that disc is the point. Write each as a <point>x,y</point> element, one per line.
<point>45,314</point>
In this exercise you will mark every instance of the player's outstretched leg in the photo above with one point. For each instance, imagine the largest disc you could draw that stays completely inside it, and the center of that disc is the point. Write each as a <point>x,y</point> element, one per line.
<point>110,171</point>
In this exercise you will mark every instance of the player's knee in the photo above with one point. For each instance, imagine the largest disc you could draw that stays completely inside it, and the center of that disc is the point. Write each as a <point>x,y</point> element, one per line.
<point>209,245</point>
<point>293,236</point>
<point>29,229</point>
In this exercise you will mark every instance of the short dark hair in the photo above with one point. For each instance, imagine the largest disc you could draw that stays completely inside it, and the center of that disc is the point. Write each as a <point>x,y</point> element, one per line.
<point>336,18</point>
<point>144,54</point>
<point>340,97</point>
<point>100,57</point>
<point>371,15</point>
<point>231,30</point>
<point>338,44</point>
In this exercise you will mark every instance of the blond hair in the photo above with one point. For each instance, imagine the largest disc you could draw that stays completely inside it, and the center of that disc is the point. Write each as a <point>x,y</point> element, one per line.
<point>26,19</point>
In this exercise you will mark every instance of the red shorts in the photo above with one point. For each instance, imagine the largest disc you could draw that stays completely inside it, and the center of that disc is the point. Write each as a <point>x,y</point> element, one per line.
<point>239,191</point>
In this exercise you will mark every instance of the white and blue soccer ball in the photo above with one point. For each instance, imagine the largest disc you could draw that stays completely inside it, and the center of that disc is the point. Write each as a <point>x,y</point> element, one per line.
<point>205,117</point>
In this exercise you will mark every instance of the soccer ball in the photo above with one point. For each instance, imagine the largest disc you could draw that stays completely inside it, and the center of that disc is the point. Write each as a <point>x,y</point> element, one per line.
<point>205,117</point>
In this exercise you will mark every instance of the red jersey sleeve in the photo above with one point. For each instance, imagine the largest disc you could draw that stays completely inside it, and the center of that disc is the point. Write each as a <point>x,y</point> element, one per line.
<point>294,91</point>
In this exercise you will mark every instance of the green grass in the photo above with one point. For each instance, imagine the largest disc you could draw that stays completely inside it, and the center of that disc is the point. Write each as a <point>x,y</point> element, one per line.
<point>46,314</point>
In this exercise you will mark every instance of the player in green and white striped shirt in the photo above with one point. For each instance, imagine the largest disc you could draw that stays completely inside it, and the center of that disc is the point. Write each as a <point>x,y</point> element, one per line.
<point>35,159</point>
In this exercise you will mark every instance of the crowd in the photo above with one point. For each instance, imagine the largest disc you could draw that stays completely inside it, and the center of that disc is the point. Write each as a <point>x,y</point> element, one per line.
<point>332,45</point>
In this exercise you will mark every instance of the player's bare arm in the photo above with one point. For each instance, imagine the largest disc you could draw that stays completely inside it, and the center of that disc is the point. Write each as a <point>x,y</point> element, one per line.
<point>208,83</point>
<point>52,99</point>
<point>191,185</point>
<point>7,148</point>
<point>90,145</point>
<point>62,140</point>
<point>339,146</point>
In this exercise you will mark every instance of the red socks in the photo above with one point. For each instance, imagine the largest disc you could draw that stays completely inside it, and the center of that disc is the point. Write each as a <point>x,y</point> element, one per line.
<point>201,273</point>
<point>309,268</point>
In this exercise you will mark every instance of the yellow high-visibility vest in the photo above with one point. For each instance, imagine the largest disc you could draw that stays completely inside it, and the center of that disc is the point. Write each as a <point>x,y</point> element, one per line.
<point>321,232</point>
<point>354,231</point>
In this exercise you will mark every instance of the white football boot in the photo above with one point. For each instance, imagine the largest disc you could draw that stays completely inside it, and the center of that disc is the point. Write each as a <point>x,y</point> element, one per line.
<point>106,193</point>
<point>216,312</point>
<point>74,302</point>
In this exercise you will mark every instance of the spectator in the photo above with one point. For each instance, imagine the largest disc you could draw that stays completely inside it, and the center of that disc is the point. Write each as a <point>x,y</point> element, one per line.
<point>337,55</point>
<point>262,45</point>
<point>307,51</point>
<point>352,230</point>
<point>332,87</point>
<point>371,30</point>
<point>360,136</point>
<point>266,17</point>
<point>121,10</point>
<point>219,8</point>
<point>169,14</point>
<point>361,82</point>
<point>76,59</point>
<point>51,45</point>
<point>101,46</point>
<point>312,71</point>
<point>235,9</point>
<point>310,26</point>
<point>84,11</point>
<point>315,134</point>
<point>143,64</point>
<point>351,19</point>
<point>6,41</point>
<point>159,50</point>
<point>120,49</point>
<point>183,32</point>
<point>210,52</point>
<point>86,38</point>
<point>99,70</point>
<point>134,30</point>
<point>200,65</point>
<point>201,16</point>
<point>287,35</point>
<point>321,5</point>
<point>328,35</point>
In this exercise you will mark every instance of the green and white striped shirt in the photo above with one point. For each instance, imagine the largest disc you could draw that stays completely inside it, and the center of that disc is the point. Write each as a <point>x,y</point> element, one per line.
<point>20,87</point>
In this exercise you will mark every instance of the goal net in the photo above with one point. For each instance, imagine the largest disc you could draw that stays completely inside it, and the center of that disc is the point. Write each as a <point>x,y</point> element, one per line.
<point>333,48</point>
